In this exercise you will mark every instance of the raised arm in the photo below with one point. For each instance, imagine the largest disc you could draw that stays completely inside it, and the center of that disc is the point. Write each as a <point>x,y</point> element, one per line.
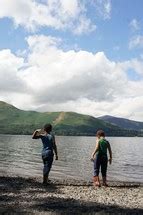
<point>36,134</point>
<point>55,148</point>
<point>110,153</point>
<point>96,149</point>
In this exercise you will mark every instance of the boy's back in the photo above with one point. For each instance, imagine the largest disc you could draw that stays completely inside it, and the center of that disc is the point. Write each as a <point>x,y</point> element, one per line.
<point>103,145</point>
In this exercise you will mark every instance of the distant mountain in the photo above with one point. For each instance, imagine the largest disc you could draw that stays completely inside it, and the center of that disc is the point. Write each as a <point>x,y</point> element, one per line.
<point>123,123</point>
<point>16,121</point>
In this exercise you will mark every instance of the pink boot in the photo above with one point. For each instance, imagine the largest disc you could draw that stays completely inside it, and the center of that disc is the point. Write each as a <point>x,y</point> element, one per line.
<point>96,181</point>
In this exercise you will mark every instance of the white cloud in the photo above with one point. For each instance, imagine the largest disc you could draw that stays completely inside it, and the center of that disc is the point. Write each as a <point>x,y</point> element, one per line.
<point>84,69</point>
<point>103,8</point>
<point>84,25</point>
<point>10,79</point>
<point>13,88</point>
<point>136,42</point>
<point>58,14</point>
<point>51,79</point>
<point>135,64</point>
<point>135,25</point>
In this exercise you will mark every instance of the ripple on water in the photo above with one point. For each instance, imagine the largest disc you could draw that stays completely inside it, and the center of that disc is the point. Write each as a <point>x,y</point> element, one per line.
<point>22,156</point>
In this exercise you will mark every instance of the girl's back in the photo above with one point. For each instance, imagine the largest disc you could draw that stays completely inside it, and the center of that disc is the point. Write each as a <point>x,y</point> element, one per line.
<point>47,141</point>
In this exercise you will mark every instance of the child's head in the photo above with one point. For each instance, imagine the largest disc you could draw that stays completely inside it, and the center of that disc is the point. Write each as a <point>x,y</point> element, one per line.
<point>100,133</point>
<point>48,128</point>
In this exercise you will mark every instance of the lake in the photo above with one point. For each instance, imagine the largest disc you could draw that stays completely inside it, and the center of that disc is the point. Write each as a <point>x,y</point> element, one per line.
<point>21,156</point>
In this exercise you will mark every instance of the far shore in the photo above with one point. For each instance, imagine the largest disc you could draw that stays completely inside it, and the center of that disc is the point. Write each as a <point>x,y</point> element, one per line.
<point>58,135</point>
<point>29,196</point>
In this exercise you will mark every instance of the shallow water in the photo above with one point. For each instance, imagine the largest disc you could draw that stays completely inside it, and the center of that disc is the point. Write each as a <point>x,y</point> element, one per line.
<point>20,155</point>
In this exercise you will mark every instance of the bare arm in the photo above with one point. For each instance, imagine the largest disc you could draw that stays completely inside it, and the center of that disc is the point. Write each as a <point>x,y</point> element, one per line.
<point>110,153</point>
<point>96,149</point>
<point>36,134</point>
<point>55,148</point>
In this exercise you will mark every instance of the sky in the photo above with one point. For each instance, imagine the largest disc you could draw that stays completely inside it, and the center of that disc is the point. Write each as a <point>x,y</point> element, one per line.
<point>84,56</point>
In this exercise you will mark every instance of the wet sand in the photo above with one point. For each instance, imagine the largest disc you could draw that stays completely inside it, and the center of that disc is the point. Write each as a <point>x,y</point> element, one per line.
<point>28,196</point>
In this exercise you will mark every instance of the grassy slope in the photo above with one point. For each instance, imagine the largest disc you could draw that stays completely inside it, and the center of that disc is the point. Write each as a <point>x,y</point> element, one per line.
<point>81,124</point>
<point>15,121</point>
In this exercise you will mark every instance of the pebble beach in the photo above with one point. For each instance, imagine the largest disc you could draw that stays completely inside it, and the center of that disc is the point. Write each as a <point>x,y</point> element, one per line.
<point>28,196</point>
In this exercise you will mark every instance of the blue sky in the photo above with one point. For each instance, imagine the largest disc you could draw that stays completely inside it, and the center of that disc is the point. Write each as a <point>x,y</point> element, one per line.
<point>111,36</point>
<point>105,32</point>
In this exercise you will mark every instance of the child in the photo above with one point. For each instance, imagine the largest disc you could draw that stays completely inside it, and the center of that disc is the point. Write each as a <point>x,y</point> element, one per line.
<point>49,146</point>
<point>99,156</point>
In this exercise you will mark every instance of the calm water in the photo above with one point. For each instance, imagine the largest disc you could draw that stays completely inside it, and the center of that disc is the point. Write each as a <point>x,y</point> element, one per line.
<point>20,155</point>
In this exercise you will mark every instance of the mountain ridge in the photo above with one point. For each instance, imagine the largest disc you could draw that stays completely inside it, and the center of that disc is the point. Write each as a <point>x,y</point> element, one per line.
<point>16,121</point>
<point>123,122</point>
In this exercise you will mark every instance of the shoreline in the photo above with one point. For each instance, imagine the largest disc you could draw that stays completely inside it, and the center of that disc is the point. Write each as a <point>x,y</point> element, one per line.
<point>29,196</point>
<point>71,181</point>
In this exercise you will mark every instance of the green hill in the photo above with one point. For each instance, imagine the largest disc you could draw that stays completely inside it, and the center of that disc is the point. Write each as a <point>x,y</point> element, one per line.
<point>16,121</point>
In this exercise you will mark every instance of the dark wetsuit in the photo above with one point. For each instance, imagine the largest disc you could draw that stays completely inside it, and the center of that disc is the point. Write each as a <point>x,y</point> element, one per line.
<point>47,152</point>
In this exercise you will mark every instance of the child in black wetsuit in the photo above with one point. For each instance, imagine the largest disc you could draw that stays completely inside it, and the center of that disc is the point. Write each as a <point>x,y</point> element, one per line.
<point>49,146</point>
<point>99,156</point>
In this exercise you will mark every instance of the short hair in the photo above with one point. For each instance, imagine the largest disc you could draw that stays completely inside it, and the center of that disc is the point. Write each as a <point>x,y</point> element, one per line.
<point>48,127</point>
<point>100,133</point>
